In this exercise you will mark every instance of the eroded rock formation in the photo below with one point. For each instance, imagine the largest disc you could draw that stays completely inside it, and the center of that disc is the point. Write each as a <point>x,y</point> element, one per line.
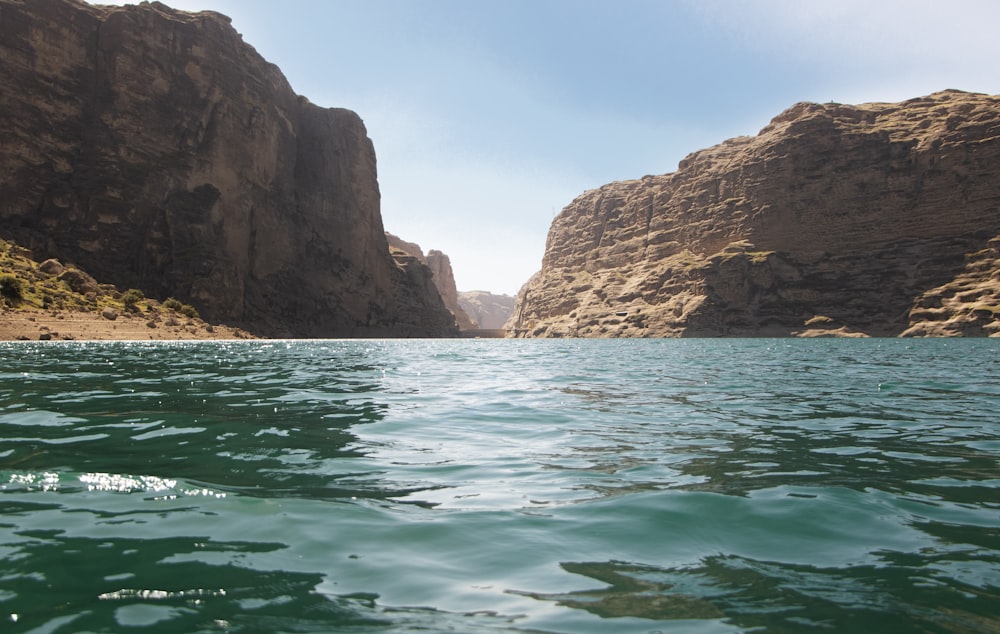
<point>161,152</point>
<point>878,220</point>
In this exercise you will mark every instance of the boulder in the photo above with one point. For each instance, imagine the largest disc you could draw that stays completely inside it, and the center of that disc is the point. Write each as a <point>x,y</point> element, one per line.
<point>79,281</point>
<point>51,267</point>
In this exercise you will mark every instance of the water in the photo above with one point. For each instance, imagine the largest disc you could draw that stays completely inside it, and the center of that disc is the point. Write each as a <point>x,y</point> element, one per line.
<point>500,486</point>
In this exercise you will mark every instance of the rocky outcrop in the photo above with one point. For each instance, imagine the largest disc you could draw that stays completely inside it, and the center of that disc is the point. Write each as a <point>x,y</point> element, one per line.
<point>420,297</point>
<point>966,305</point>
<point>870,220</point>
<point>489,311</point>
<point>159,151</point>
<point>439,265</point>
<point>444,279</point>
<point>412,248</point>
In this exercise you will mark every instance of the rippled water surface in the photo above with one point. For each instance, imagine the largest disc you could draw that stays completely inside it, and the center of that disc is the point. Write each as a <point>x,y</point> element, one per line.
<point>500,486</point>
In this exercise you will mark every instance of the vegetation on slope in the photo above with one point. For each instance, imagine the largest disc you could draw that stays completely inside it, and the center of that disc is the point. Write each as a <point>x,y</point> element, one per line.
<point>29,289</point>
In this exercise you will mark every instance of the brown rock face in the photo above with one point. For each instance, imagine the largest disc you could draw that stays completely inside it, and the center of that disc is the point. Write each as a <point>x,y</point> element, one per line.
<point>444,279</point>
<point>412,248</point>
<point>439,266</point>
<point>870,220</point>
<point>420,297</point>
<point>490,311</point>
<point>161,152</point>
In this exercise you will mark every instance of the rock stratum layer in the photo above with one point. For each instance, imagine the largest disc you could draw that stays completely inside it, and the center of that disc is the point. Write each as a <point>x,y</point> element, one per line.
<point>159,151</point>
<point>871,220</point>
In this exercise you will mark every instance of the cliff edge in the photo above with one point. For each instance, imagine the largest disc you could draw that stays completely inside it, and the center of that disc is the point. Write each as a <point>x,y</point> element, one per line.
<point>871,220</point>
<point>159,151</point>
<point>440,273</point>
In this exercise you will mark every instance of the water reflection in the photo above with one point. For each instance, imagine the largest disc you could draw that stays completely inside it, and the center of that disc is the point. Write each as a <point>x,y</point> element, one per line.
<point>257,419</point>
<point>736,420</point>
<point>328,485</point>
<point>132,582</point>
<point>899,595</point>
<point>634,591</point>
<point>60,584</point>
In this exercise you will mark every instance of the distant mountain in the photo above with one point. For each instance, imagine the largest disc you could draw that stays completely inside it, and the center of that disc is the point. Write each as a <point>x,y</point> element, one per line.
<point>488,310</point>
<point>881,219</point>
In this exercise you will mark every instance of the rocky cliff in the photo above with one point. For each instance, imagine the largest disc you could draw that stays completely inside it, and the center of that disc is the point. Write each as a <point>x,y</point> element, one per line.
<point>161,152</point>
<point>444,279</point>
<point>871,220</point>
<point>490,311</point>
<point>441,273</point>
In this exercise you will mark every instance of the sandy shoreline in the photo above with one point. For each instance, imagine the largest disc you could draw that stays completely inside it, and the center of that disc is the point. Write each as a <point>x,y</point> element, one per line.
<point>35,324</point>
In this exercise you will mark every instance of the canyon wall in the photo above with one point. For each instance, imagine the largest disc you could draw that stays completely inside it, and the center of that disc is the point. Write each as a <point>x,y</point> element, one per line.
<point>442,275</point>
<point>881,219</point>
<point>159,151</point>
<point>444,279</point>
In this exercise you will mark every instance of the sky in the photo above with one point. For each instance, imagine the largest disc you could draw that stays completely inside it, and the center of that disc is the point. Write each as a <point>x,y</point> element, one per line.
<point>490,116</point>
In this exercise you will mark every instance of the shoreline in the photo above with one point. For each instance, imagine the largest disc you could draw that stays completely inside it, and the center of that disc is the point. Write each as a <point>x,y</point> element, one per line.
<point>32,324</point>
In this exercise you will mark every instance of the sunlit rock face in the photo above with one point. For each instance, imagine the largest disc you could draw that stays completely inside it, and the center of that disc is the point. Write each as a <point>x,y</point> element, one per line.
<point>158,150</point>
<point>871,220</point>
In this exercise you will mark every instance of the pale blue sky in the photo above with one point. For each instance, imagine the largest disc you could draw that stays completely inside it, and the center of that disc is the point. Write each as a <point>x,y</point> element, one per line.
<point>489,117</point>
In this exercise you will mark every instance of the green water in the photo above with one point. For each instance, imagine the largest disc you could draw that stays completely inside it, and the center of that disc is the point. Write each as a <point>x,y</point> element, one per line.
<point>500,486</point>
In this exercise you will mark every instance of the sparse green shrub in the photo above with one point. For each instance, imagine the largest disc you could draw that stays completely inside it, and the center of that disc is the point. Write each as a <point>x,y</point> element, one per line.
<point>11,287</point>
<point>171,304</point>
<point>131,299</point>
<point>189,311</point>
